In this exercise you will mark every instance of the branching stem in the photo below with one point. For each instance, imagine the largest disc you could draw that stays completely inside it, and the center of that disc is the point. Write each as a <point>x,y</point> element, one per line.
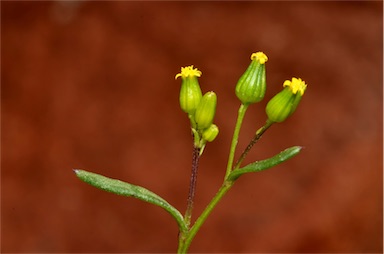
<point>183,248</point>
<point>257,136</point>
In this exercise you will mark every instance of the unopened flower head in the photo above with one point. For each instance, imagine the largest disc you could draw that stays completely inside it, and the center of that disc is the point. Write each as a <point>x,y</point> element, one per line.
<point>252,84</point>
<point>206,111</point>
<point>211,133</point>
<point>190,92</point>
<point>283,104</point>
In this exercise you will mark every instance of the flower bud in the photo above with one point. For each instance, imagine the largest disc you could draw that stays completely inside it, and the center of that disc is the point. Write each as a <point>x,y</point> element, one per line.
<point>283,104</point>
<point>190,92</point>
<point>252,84</point>
<point>211,133</point>
<point>206,110</point>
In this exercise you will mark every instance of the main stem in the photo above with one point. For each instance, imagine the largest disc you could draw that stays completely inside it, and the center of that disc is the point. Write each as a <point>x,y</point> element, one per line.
<point>183,248</point>
<point>186,238</point>
<point>240,117</point>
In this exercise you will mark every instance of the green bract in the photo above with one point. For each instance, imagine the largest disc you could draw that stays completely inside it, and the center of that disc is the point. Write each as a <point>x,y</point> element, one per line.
<point>252,85</point>
<point>205,111</point>
<point>283,104</point>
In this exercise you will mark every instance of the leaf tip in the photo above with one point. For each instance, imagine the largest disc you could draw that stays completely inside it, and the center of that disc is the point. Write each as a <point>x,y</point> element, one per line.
<point>77,171</point>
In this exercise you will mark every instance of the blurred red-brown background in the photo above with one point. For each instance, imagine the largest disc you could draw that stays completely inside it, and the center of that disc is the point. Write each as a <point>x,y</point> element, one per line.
<point>91,85</point>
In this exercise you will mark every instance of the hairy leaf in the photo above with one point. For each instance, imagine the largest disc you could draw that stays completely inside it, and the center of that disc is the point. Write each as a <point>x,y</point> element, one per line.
<point>126,189</point>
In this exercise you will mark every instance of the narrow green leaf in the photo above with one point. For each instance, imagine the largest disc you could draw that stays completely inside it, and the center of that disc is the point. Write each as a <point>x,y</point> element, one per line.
<point>126,189</point>
<point>265,164</point>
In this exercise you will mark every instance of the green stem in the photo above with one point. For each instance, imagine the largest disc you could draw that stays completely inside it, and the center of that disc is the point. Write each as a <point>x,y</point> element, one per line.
<point>186,242</point>
<point>257,136</point>
<point>181,242</point>
<point>240,117</point>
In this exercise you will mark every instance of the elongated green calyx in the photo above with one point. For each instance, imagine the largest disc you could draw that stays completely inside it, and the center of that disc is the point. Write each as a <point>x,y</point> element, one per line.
<point>211,133</point>
<point>206,110</point>
<point>252,84</point>
<point>283,104</point>
<point>190,92</point>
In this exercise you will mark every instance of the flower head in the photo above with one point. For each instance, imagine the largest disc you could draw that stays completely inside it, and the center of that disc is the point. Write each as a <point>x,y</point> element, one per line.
<point>190,92</point>
<point>252,84</point>
<point>211,133</point>
<point>206,110</point>
<point>283,104</point>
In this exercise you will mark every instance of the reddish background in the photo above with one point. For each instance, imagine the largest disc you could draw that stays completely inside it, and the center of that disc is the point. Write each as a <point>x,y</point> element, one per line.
<point>91,85</point>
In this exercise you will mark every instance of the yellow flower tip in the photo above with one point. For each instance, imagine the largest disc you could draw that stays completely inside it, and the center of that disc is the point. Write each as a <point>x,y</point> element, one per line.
<point>296,85</point>
<point>188,71</point>
<point>260,57</point>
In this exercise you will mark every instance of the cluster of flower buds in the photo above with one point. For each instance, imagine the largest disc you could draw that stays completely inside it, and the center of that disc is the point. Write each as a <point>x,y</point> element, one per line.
<point>250,89</point>
<point>200,108</point>
<point>252,85</point>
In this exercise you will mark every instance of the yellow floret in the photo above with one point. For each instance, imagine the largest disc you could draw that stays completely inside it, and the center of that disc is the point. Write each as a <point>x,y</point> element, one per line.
<point>188,71</point>
<point>296,85</point>
<point>260,57</point>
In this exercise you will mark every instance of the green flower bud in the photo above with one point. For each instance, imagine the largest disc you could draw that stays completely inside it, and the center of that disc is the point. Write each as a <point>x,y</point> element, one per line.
<point>211,133</point>
<point>252,84</point>
<point>190,92</point>
<point>283,104</point>
<point>205,111</point>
